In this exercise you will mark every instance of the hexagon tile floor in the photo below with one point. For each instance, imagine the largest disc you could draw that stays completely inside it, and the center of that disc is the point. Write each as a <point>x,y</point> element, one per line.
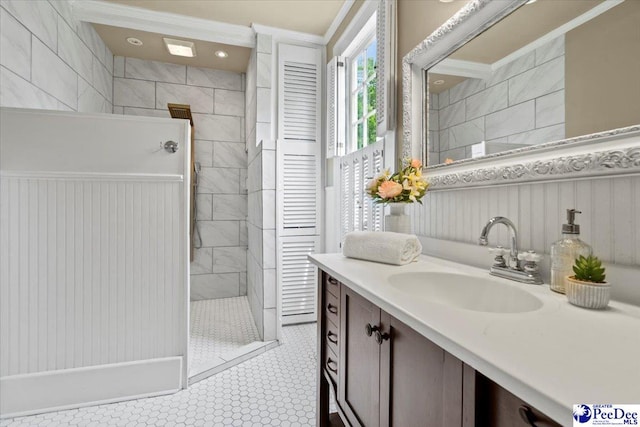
<point>218,327</point>
<point>276,388</point>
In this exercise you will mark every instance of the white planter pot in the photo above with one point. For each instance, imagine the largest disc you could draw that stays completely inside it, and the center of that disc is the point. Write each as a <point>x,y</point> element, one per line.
<point>398,220</point>
<point>587,294</point>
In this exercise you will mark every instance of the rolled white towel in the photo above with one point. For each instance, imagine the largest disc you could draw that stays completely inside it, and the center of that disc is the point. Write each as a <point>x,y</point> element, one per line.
<point>384,247</point>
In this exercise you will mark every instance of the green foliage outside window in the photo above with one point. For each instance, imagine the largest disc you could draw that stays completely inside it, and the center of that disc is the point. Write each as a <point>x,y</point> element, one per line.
<point>365,109</point>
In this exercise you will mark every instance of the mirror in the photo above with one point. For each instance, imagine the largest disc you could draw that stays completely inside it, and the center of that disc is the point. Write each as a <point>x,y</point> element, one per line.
<point>547,71</point>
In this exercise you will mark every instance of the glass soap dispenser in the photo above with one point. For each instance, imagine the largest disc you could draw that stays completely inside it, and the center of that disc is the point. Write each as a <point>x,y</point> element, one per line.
<point>565,251</point>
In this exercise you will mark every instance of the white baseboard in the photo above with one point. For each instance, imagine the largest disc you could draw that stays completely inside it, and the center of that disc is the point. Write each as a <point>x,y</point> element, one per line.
<point>29,394</point>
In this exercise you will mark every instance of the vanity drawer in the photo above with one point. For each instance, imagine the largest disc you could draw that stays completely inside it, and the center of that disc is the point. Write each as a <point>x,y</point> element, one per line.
<point>330,364</point>
<point>331,337</point>
<point>332,285</point>
<point>332,307</point>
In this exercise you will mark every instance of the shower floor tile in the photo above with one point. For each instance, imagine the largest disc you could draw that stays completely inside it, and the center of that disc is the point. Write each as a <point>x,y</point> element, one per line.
<point>275,388</point>
<point>219,328</point>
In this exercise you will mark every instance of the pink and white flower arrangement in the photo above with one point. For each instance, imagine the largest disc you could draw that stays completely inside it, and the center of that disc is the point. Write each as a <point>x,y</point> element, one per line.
<point>406,186</point>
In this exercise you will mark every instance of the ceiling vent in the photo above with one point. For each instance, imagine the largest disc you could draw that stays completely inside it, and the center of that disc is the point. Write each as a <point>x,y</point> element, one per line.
<point>180,47</point>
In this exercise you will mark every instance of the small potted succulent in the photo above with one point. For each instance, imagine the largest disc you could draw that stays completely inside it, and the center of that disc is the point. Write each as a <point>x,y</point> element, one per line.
<point>587,288</point>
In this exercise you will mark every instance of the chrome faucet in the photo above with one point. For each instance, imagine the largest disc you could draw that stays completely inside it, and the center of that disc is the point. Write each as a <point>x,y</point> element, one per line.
<point>525,272</point>
<point>483,241</point>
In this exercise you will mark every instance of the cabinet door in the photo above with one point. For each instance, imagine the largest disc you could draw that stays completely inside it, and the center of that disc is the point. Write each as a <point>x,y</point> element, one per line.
<point>499,408</point>
<point>420,383</point>
<point>359,376</point>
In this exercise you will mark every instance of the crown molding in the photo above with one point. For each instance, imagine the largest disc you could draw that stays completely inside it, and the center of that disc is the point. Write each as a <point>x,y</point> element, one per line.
<point>100,12</point>
<point>282,34</point>
<point>342,13</point>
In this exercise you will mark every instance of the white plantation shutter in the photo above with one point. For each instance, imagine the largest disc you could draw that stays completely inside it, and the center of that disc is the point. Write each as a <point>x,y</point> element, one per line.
<point>371,167</point>
<point>300,193</point>
<point>300,118</point>
<point>366,200</point>
<point>299,179</point>
<point>357,211</point>
<point>346,202</point>
<point>378,163</point>
<point>298,278</point>
<point>336,107</point>
<point>356,196</point>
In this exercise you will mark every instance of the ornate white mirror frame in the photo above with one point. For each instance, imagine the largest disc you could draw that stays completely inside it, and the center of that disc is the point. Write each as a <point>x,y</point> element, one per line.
<point>611,152</point>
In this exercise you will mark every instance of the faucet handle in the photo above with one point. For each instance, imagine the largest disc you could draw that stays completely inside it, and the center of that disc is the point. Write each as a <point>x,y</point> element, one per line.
<point>531,260</point>
<point>498,252</point>
<point>530,256</point>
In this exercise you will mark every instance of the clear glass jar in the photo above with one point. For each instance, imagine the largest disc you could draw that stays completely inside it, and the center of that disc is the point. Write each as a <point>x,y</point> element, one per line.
<point>563,256</point>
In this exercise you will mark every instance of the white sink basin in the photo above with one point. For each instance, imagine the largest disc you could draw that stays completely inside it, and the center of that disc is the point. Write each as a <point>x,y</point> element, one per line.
<point>466,292</point>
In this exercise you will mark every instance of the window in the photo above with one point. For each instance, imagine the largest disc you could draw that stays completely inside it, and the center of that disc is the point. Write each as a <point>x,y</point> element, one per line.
<point>362,96</point>
<point>352,124</point>
<point>364,160</point>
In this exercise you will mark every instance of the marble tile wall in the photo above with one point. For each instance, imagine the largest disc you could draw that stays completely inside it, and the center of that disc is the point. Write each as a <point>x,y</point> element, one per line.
<point>217,100</point>
<point>261,184</point>
<point>522,103</point>
<point>48,60</point>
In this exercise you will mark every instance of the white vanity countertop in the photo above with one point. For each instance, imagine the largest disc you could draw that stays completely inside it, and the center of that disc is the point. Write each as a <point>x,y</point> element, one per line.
<point>553,357</point>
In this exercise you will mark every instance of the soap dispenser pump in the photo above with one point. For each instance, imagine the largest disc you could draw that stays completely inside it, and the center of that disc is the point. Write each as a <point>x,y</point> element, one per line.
<point>565,251</point>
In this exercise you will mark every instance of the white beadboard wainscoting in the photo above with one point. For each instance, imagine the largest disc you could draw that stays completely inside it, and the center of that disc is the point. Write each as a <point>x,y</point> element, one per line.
<point>88,258</point>
<point>610,219</point>
<point>93,259</point>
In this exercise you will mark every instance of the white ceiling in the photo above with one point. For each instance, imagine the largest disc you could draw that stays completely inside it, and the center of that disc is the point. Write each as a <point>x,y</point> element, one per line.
<point>153,49</point>
<point>313,17</point>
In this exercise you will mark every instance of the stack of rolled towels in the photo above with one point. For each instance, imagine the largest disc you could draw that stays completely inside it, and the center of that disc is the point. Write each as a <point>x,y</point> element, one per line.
<point>384,247</point>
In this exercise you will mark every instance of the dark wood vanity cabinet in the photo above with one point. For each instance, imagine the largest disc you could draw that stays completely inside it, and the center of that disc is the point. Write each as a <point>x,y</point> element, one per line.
<point>392,375</point>
<point>420,383</point>
<point>384,373</point>
<point>359,379</point>
<point>497,407</point>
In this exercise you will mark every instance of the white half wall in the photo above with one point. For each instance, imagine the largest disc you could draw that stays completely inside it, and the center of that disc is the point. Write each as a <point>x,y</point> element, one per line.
<point>93,248</point>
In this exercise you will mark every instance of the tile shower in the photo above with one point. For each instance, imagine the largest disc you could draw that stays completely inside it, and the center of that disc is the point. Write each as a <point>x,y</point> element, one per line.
<point>51,61</point>
<point>217,103</point>
<point>219,267</point>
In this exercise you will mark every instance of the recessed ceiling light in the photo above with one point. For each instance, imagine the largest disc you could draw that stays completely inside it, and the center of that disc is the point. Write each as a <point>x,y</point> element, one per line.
<point>438,82</point>
<point>531,1</point>
<point>180,47</point>
<point>134,41</point>
<point>221,54</point>
<point>446,1</point>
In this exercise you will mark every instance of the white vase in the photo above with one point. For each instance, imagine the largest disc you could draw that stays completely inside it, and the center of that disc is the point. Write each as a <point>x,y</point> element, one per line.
<point>586,294</point>
<point>398,220</point>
